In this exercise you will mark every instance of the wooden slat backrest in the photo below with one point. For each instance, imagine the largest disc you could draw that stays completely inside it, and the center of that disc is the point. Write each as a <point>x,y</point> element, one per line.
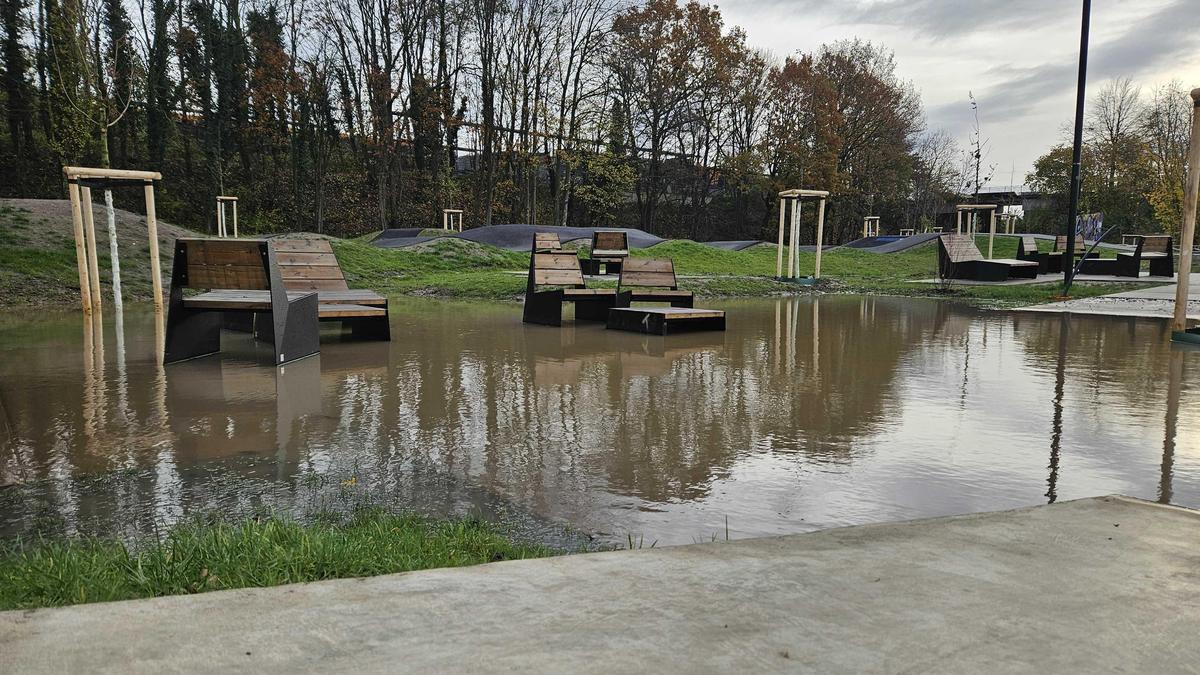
<point>1028,246</point>
<point>309,265</point>
<point>1156,244</point>
<point>546,241</point>
<point>960,248</point>
<point>648,272</point>
<point>1060,243</point>
<point>557,269</point>
<point>607,240</point>
<point>226,263</point>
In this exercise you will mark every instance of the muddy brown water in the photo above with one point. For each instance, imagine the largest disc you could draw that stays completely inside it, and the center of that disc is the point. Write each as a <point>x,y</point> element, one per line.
<point>805,414</point>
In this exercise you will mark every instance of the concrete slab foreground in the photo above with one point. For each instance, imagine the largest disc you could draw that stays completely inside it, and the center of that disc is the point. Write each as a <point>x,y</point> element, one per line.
<point>1150,302</point>
<point>1107,584</point>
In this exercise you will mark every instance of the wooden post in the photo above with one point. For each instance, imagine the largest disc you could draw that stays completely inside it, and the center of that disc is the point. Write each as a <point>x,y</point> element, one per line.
<point>85,293</point>
<point>820,236</point>
<point>793,245</point>
<point>1187,233</point>
<point>89,231</point>
<point>235,234</point>
<point>791,266</point>
<point>779,249</point>
<point>220,218</point>
<point>958,221</point>
<point>991,231</point>
<point>152,232</point>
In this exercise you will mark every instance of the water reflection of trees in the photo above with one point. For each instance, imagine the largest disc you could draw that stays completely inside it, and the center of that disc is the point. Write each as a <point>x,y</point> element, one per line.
<point>555,419</point>
<point>548,410</point>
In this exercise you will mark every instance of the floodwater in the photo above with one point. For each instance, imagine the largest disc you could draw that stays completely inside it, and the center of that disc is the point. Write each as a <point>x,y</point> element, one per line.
<point>807,413</point>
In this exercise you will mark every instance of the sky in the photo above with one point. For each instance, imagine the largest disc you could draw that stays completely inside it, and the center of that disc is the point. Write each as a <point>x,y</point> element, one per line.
<point>1019,57</point>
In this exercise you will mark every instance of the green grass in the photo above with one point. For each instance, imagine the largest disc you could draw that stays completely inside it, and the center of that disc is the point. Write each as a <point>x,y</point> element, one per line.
<point>45,272</point>
<point>197,556</point>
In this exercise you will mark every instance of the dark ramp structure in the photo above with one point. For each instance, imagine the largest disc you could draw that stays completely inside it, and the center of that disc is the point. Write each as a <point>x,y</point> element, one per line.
<point>514,237</point>
<point>519,237</point>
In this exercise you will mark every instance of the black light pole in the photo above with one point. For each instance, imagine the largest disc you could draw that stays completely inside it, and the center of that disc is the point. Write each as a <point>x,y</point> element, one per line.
<point>1077,151</point>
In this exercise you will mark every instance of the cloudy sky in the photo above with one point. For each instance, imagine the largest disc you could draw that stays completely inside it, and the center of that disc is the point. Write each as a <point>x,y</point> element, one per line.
<point>1018,56</point>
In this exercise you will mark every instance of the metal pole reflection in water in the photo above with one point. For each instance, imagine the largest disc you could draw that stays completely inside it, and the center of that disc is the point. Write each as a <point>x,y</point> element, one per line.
<point>816,337</point>
<point>1064,326</point>
<point>1174,385</point>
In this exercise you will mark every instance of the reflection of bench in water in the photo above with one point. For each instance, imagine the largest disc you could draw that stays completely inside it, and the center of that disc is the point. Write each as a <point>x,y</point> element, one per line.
<point>558,357</point>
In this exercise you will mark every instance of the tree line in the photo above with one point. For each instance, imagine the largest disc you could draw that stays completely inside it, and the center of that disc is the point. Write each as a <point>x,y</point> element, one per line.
<point>347,116</point>
<point>1134,161</point>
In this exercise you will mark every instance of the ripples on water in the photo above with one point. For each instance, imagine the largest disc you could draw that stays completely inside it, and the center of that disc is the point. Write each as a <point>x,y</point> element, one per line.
<point>805,414</point>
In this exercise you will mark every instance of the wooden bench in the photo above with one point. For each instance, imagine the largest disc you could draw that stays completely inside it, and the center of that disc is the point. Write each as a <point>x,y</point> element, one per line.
<point>244,277</point>
<point>959,258</point>
<point>1049,262</point>
<point>1081,246</point>
<point>665,320</point>
<point>650,280</point>
<point>610,248</point>
<point>310,265</point>
<point>1154,249</point>
<point>545,242</point>
<point>555,278</point>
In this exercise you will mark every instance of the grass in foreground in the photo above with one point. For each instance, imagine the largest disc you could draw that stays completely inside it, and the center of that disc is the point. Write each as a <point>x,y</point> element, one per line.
<point>199,556</point>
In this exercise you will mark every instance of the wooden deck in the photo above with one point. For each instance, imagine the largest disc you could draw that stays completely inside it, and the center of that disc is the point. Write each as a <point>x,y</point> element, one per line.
<point>665,320</point>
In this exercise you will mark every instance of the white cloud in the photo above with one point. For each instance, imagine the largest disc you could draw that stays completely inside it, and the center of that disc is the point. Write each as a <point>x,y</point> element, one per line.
<point>1018,56</point>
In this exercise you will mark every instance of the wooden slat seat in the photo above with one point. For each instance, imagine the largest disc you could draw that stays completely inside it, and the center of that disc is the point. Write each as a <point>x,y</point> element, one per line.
<point>260,301</point>
<point>588,292</point>
<point>650,280</point>
<point>1049,262</point>
<point>311,265</point>
<point>556,277</point>
<point>1081,246</point>
<point>610,248</point>
<point>341,311</point>
<point>546,241</point>
<point>960,258</point>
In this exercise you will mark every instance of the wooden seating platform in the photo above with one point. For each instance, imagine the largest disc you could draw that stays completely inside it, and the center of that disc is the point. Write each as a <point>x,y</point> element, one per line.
<point>960,258</point>
<point>556,277</point>
<point>665,320</point>
<point>245,278</point>
<point>610,248</point>
<point>650,280</point>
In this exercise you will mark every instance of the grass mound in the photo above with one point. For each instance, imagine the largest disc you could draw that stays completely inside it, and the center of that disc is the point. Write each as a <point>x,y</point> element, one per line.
<point>198,557</point>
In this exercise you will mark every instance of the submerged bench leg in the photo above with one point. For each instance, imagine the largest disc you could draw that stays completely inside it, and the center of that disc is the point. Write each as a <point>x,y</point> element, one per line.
<point>296,332</point>
<point>593,309</point>
<point>1162,267</point>
<point>191,333</point>
<point>370,328</point>
<point>543,308</point>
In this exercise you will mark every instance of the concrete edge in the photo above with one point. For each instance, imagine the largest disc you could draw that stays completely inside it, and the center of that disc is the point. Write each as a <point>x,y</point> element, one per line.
<point>19,615</point>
